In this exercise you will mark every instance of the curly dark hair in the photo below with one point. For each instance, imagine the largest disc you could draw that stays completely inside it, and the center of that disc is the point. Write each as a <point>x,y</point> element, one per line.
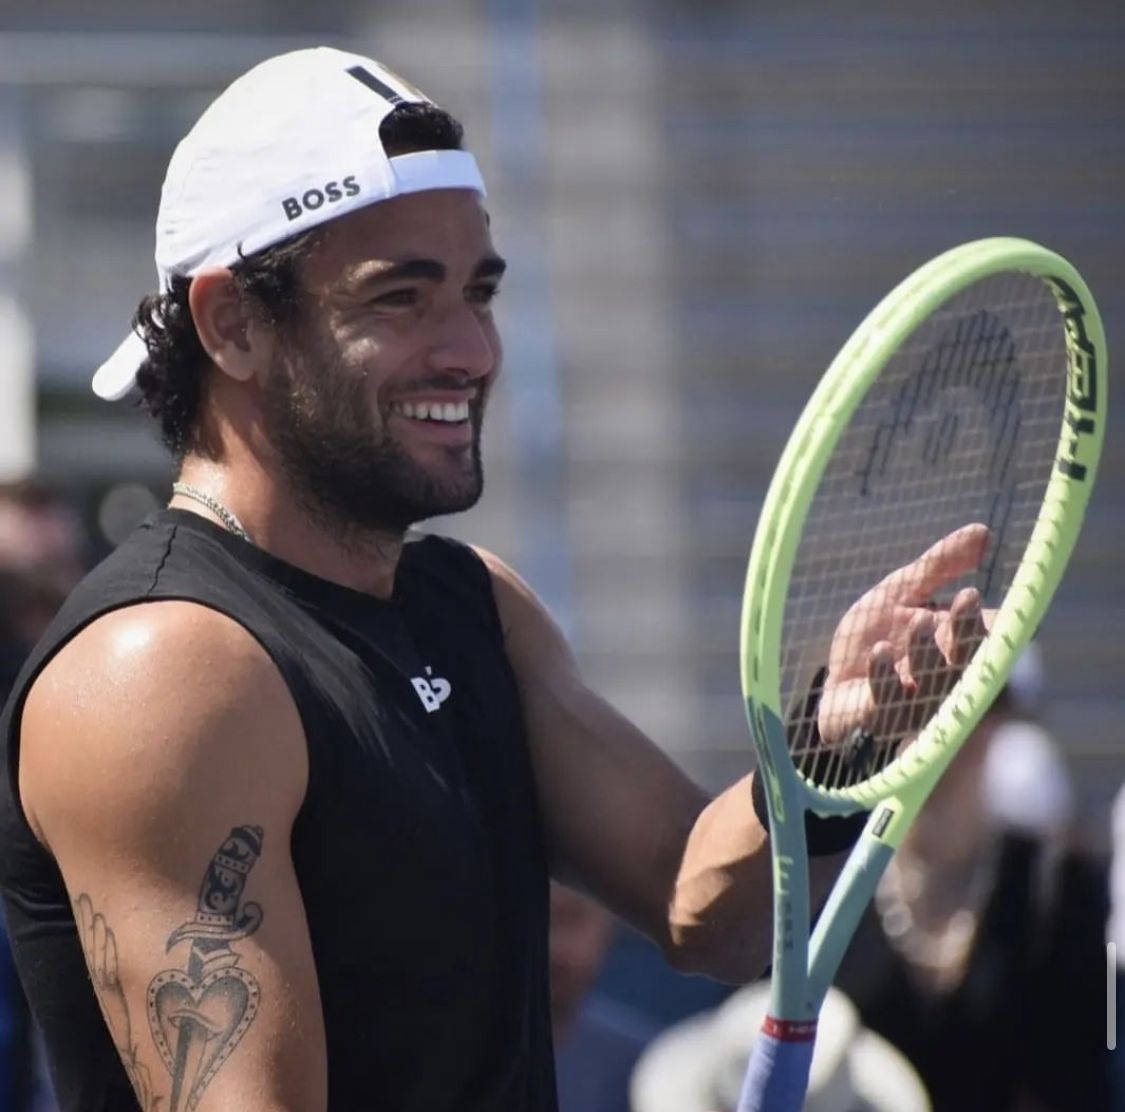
<point>171,378</point>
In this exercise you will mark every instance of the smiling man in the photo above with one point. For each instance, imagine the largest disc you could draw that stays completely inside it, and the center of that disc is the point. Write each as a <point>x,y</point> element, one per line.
<point>285,780</point>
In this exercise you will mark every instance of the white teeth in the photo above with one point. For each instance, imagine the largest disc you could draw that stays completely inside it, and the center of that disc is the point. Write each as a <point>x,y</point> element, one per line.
<point>434,411</point>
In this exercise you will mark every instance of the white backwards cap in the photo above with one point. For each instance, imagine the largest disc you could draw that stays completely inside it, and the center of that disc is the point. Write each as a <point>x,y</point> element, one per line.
<point>289,145</point>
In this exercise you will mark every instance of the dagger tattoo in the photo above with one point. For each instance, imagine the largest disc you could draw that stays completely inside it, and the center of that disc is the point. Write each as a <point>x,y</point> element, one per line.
<point>199,1014</point>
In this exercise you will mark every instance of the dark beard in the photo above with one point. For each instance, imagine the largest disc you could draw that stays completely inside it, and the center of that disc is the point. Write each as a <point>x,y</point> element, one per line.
<point>347,473</point>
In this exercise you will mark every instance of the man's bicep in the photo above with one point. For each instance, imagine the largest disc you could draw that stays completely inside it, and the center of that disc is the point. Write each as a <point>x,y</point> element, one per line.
<point>170,819</point>
<point>208,995</point>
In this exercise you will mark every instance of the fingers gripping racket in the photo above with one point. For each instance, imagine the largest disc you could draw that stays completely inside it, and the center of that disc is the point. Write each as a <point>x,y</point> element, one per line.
<point>917,524</point>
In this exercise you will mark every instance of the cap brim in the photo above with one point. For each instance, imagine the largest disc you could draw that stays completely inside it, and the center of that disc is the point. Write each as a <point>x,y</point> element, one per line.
<point>118,374</point>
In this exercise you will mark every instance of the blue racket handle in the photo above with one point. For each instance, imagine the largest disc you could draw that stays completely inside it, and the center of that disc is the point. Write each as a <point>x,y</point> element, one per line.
<point>778,1075</point>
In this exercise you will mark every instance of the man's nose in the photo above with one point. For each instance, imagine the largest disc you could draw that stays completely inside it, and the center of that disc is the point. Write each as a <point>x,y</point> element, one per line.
<point>465,344</point>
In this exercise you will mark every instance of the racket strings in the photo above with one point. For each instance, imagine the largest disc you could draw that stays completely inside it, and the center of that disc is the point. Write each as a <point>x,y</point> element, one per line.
<point>961,426</point>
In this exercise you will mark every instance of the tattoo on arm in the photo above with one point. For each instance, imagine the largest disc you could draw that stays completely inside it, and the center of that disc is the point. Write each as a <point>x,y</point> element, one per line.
<point>100,948</point>
<point>199,1013</point>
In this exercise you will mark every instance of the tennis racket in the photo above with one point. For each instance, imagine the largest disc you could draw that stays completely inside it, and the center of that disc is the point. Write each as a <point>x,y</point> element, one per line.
<point>935,483</point>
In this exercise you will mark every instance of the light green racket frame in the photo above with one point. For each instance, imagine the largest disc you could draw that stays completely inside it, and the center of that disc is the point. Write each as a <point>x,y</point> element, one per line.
<point>896,794</point>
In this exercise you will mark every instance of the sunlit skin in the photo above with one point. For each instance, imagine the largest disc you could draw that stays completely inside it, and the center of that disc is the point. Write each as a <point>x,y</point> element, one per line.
<point>397,306</point>
<point>894,657</point>
<point>396,311</point>
<point>399,301</point>
<point>402,292</point>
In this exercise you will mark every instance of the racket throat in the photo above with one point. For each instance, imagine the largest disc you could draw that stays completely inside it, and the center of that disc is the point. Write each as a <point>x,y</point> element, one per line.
<point>850,895</point>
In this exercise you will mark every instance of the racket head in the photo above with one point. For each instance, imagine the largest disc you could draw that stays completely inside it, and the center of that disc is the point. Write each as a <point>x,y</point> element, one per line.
<point>1054,322</point>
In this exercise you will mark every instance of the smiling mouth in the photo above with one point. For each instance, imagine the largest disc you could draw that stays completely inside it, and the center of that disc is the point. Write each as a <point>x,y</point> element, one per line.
<point>450,413</point>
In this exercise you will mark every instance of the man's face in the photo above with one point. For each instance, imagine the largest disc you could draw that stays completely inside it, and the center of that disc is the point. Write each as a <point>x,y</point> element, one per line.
<point>375,399</point>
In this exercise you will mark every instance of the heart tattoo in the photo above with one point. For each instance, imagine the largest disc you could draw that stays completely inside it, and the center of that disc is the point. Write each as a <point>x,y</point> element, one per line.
<point>196,1025</point>
<point>199,1015</point>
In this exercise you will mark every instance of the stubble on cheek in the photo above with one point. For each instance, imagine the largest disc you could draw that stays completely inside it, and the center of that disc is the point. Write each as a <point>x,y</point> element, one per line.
<point>340,447</point>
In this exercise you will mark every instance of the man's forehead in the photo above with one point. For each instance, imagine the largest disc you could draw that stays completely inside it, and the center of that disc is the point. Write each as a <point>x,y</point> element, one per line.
<point>448,226</point>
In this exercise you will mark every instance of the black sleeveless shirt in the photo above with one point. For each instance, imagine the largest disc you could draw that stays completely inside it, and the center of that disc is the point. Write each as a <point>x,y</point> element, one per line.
<point>417,848</point>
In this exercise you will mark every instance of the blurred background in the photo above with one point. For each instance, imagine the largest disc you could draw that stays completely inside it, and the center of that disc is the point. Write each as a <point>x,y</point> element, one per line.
<point>698,204</point>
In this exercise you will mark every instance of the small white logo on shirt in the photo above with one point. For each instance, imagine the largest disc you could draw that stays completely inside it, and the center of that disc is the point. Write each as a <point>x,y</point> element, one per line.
<point>432,690</point>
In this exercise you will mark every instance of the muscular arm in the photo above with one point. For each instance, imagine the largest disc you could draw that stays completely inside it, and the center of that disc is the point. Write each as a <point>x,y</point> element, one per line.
<point>162,763</point>
<point>624,822</point>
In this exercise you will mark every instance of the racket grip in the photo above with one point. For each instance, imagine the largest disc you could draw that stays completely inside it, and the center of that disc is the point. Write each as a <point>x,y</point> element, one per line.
<point>778,1074</point>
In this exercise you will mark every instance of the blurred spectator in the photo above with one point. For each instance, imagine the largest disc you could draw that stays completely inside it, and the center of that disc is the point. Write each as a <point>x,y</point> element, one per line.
<point>41,558</point>
<point>41,554</point>
<point>1115,936</point>
<point>698,1064</point>
<point>597,1040</point>
<point>637,974</point>
<point>982,958</point>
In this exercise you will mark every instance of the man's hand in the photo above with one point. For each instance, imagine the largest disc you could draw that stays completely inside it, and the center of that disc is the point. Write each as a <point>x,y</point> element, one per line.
<point>894,655</point>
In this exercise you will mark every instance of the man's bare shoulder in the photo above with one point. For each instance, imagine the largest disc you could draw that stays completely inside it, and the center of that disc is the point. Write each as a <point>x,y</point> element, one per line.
<point>522,612</point>
<point>151,699</point>
<point>168,651</point>
<point>535,644</point>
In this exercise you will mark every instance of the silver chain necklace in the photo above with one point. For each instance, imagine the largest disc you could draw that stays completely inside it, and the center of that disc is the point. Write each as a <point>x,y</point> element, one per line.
<point>228,519</point>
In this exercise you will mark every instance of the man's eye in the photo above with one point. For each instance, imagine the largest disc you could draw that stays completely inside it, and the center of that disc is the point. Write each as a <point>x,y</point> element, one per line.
<point>394,298</point>
<point>483,293</point>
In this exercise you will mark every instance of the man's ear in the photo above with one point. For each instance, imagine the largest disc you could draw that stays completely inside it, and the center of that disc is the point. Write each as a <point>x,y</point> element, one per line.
<point>237,341</point>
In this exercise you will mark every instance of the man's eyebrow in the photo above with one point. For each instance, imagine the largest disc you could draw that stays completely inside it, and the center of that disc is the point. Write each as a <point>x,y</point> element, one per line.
<point>409,269</point>
<point>491,266</point>
<point>430,270</point>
